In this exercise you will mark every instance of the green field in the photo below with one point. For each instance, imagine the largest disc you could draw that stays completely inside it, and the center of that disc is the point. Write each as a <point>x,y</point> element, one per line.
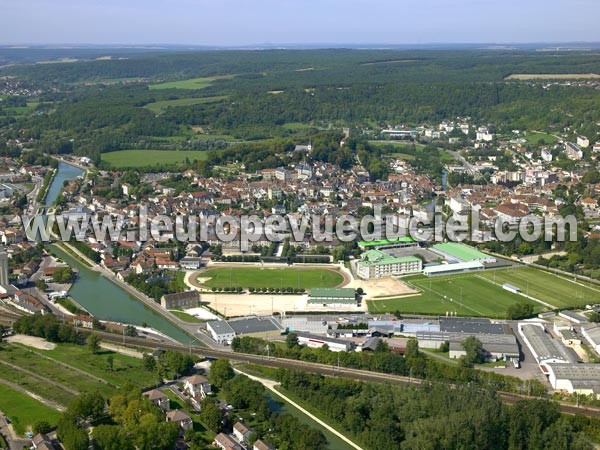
<point>535,138</point>
<point>190,83</point>
<point>47,368</point>
<point>24,411</point>
<point>547,287</point>
<point>467,295</point>
<point>160,106</point>
<point>147,158</point>
<point>271,278</point>
<point>126,369</point>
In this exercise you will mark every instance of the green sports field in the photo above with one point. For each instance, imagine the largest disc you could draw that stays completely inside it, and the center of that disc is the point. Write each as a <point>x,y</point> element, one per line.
<point>190,83</point>
<point>466,295</point>
<point>23,410</point>
<point>147,158</point>
<point>157,107</point>
<point>271,278</point>
<point>556,290</point>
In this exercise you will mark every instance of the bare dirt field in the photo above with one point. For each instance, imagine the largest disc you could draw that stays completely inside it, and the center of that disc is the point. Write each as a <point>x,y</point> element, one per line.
<point>383,287</point>
<point>32,341</point>
<point>552,76</point>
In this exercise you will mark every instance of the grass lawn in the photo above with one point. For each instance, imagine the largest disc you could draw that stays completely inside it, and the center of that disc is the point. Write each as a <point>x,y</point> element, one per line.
<point>186,317</point>
<point>125,368</point>
<point>467,295</point>
<point>47,390</point>
<point>23,410</point>
<point>535,138</point>
<point>21,357</point>
<point>403,156</point>
<point>555,290</point>
<point>190,83</point>
<point>271,278</point>
<point>146,158</point>
<point>157,107</point>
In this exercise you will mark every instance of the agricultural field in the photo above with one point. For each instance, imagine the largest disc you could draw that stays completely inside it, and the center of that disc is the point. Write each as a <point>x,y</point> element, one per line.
<point>158,107</point>
<point>465,295</point>
<point>126,369</point>
<point>270,278</point>
<point>24,411</point>
<point>190,83</point>
<point>147,158</point>
<point>48,368</point>
<point>556,290</point>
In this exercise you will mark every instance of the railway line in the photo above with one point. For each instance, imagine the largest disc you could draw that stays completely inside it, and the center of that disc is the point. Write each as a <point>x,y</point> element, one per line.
<point>323,369</point>
<point>317,368</point>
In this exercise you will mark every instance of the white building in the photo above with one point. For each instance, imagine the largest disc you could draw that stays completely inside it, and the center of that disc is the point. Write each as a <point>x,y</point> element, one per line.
<point>583,142</point>
<point>220,331</point>
<point>592,333</point>
<point>314,341</point>
<point>575,378</point>
<point>546,155</point>
<point>197,386</point>
<point>483,134</point>
<point>573,151</point>
<point>3,268</point>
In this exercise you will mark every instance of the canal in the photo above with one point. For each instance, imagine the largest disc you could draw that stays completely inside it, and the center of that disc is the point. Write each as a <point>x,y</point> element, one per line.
<point>101,297</point>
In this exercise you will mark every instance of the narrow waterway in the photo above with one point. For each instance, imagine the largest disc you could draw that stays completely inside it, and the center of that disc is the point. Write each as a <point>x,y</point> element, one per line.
<point>102,298</point>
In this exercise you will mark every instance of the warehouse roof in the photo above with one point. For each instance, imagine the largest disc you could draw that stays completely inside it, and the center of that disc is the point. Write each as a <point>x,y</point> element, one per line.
<point>544,347</point>
<point>441,268</point>
<point>220,327</point>
<point>460,251</point>
<point>470,325</point>
<point>334,293</point>
<point>249,325</point>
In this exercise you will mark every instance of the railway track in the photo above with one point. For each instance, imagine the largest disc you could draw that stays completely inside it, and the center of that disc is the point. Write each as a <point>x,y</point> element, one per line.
<point>291,364</point>
<point>323,369</point>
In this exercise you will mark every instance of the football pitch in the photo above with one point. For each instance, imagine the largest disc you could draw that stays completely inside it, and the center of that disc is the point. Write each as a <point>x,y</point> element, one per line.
<point>465,295</point>
<point>270,278</point>
<point>481,293</point>
<point>557,290</point>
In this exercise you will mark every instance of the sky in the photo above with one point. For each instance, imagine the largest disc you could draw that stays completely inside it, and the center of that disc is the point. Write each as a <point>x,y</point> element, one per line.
<point>255,22</point>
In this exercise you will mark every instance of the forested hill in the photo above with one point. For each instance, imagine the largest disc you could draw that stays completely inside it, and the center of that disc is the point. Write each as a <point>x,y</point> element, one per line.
<point>315,67</point>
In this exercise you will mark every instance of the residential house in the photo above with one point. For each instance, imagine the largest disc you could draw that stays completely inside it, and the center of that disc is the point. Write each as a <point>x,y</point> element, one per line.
<point>181,418</point>
<point>242,432</point>
<point>180,300</point>
<point>158,399</point>
<point>197,386</point>
<point>224,442</point>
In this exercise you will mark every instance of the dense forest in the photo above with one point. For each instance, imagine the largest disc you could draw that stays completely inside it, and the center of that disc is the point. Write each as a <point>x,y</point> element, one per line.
<point>433,417</point>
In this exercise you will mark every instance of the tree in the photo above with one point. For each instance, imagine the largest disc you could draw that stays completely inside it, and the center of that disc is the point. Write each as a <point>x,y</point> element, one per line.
<point>41,426</point>
<point>291,340</point>
<point>474,348</point>
<point>130,330</point>
<point>93,343</point>
<point>149,363</point>
<point>220,372</point>
<point>110,361</point>
<point>110,437</point>
<point>211,415</point>
<point>88,405</point>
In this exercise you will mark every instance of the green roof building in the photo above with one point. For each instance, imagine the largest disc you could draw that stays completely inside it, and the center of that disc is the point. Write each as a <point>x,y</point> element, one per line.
<point>332,296</point>
<point>377,264</point>
<point>456,252</point>
<point>401,242</point>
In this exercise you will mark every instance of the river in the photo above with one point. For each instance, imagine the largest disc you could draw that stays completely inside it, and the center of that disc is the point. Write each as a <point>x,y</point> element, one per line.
<point>100,296</point>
